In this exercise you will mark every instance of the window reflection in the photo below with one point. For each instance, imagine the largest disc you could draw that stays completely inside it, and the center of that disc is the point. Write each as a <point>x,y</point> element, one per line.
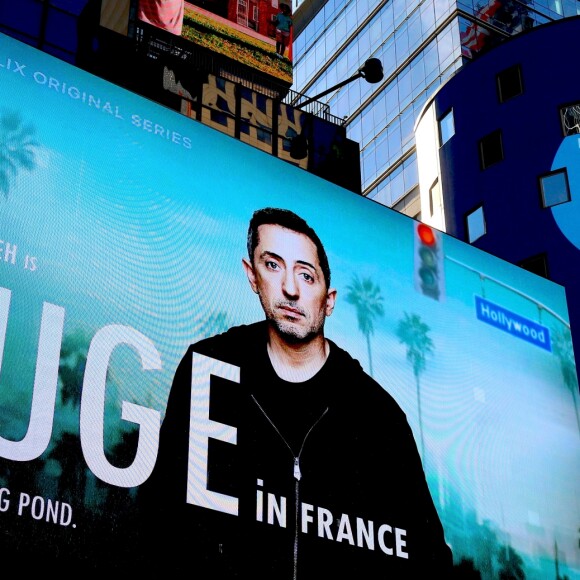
<point>475,225</point>
<point>554,188</point>
<point>570,116</point>
<point>446,127</point>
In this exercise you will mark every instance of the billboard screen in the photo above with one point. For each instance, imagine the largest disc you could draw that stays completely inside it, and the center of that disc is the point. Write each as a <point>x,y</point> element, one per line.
<point>359,392</point>
<point>255,33</point>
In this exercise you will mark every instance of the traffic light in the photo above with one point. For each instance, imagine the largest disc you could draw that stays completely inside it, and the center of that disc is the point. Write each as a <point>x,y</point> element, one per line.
<point>429,271</point>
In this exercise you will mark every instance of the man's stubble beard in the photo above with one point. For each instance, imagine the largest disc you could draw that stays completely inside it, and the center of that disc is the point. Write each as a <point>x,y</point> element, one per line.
<point>293,333</point>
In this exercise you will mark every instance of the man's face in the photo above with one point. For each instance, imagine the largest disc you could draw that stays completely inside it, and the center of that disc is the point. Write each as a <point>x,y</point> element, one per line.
<point>287,277</point>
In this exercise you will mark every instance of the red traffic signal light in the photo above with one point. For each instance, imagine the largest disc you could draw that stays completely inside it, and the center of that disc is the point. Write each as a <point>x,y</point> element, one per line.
<point>426,235</point>
<point>429,273</point>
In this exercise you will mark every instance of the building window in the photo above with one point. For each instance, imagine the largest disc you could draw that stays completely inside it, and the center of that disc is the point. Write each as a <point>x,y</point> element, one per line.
<point>475,224</point>
<point>570,117</point>
<point>536,264</point>
<point>509,83</point>
<point>490,149</point>
<point>554,188</point>
<point>446,127</point>
<point>434,197</point>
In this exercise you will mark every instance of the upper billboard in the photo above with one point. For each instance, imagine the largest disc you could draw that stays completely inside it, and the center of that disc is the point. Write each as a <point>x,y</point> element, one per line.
<point>255,33</point>
<point>190,382</point>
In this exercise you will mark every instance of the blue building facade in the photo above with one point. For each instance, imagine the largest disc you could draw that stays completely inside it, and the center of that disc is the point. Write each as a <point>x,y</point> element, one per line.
<point>498,151</point>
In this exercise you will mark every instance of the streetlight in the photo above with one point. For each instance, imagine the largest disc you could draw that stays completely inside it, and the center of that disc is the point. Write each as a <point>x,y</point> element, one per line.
<point>371,71</point>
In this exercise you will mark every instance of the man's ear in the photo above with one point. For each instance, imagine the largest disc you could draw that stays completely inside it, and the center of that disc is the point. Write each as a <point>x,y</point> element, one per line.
<point>249,268</point>
<point>330,301</point>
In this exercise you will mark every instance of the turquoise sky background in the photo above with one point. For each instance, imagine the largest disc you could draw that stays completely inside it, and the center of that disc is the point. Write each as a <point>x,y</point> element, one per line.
<point>129,227</point>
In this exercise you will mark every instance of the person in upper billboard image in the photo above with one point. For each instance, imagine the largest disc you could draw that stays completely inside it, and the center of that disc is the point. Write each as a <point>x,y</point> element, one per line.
<point>321,477</point>
<point>164,14</point>
<point>283,21</point>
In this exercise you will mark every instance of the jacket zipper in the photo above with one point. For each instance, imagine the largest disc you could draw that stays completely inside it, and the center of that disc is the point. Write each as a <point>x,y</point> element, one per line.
<point>297,476</point>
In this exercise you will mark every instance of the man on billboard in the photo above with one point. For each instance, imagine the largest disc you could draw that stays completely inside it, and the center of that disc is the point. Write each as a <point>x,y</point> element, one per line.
<point>322,476</point>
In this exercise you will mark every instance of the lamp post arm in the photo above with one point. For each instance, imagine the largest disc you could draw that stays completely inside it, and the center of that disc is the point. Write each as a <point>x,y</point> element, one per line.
<point>358,75</point>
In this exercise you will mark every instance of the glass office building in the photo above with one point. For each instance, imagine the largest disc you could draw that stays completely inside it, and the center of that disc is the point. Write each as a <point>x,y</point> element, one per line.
<point>421,43</point>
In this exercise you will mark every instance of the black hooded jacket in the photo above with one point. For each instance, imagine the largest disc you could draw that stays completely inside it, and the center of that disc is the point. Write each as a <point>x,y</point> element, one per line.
<point>326,474</point>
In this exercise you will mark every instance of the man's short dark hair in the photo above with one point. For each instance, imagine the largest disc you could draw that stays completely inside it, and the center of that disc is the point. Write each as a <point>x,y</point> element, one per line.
<point>289,220</point>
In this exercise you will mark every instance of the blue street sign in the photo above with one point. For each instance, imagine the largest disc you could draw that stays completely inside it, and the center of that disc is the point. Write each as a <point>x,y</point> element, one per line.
<point>513,323</point>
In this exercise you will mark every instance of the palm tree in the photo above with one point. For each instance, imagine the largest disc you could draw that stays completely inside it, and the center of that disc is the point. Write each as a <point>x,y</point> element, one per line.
<point>366,297</point>
<point>216,323</point>
<point>562,347</point>
<point>511,565</point>
<point>414,333</point>
<point>71,366</point>
<point>17,147</point>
